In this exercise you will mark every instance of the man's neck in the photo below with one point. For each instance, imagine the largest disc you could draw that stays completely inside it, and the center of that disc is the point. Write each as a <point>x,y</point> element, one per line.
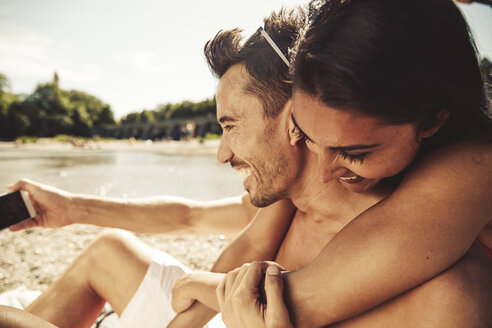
<point>330,200</point>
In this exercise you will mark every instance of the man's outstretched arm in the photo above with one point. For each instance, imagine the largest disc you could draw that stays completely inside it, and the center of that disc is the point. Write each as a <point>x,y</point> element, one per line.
<point>163,214</point>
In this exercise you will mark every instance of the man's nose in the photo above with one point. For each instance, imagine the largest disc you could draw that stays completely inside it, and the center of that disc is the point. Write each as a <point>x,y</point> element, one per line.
<point>224,153</point>
<point>328,167</point>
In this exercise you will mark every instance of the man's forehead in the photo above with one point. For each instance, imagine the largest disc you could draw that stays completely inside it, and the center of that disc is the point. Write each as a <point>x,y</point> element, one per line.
<point>232,98</point>
<point>235,78</point>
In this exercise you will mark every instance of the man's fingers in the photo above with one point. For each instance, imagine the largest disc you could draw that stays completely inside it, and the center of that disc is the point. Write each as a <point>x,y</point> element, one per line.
<point>229,281</point>
<point>15,186</point>
<point>274,286</point>
<point>241,272</point>
<point>24,184</point>
<point>254,274</point>
<point>31,223</point>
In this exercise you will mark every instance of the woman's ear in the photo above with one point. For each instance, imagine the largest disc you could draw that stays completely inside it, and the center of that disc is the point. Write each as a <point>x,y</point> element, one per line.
<point>440,119</point>
<point>294,137</point>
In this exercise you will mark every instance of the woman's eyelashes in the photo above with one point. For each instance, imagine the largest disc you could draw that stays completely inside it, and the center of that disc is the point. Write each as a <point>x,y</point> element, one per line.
<point>299,134</point>
<point>352,157</point>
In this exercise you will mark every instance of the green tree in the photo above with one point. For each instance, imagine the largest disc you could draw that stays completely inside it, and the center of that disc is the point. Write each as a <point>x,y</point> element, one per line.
<point>147,116</point>
<point>99,112</point>
<point>11,119</point>
<point>49,111</point>
<point>4,105</point>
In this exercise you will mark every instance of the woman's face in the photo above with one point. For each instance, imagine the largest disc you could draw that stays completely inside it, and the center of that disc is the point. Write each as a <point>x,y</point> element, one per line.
<point>358,150</point>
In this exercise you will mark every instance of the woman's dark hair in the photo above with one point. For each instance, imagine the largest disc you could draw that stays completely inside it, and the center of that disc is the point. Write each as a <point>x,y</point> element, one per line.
<point>270,80</point>
<point>399,60</point>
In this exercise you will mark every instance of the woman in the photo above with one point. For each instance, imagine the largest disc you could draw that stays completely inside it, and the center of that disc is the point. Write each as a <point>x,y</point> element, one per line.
<point>388,89</point>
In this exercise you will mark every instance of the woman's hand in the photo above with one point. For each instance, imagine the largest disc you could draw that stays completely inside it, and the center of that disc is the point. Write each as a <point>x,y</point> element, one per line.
<point>240,302</point>
<point>52,205</point>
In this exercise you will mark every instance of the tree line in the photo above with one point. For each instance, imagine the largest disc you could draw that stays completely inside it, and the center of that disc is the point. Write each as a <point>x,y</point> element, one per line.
<point>164,112</point>
<point>50,111</point>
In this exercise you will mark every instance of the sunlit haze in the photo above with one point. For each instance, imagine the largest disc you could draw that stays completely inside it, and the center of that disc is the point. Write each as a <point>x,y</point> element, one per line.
<point>135,55</point>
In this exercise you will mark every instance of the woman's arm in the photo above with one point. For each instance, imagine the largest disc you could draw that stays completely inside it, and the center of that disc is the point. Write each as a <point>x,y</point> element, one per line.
<point>424,227</point>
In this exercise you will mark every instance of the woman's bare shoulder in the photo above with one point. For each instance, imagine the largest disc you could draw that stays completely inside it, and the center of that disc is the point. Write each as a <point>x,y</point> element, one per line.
<point>464,167</point>
<point>468,157</point>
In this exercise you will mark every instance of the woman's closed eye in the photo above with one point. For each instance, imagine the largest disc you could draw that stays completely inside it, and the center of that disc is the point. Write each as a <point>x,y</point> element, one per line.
<point>352,157</point>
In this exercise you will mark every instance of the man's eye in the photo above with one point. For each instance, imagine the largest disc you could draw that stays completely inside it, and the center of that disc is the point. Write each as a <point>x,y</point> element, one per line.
<point>227,127</point>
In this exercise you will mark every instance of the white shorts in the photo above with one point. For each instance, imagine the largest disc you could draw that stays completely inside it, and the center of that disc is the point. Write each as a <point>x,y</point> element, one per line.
<point>151,307</point>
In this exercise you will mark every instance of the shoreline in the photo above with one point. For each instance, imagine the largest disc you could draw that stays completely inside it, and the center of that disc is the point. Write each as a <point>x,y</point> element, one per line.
<point>191,147</point>
<point>35,257</point>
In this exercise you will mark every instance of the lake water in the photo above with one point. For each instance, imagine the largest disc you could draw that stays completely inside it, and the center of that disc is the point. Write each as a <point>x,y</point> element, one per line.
<point>123,174</point>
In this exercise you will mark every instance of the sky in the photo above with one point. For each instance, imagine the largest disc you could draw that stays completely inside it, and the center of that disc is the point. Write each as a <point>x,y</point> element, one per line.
<point>135,55</point>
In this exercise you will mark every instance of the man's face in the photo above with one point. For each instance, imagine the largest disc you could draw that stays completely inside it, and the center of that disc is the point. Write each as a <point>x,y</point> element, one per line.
<point>251,142</point>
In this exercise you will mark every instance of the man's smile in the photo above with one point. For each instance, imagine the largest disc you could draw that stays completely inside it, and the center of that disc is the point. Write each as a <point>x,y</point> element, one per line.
<point>244,171</point>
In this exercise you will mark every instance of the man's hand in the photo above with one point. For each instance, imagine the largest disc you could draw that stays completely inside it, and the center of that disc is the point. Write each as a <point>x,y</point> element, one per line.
<point>239,297</point>
<point>52,205</point>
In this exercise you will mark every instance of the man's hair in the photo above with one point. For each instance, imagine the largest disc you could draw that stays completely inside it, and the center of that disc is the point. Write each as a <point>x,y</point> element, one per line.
<point>269,74</point>
<point>402,61</point>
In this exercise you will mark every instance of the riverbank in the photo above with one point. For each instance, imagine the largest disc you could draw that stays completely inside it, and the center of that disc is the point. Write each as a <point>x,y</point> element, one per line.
<point>35,257</point>
<point>192,147</point>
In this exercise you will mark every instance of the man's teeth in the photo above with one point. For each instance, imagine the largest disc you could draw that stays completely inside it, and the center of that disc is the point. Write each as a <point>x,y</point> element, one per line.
<point>349,178</point>
<point>244,172</point>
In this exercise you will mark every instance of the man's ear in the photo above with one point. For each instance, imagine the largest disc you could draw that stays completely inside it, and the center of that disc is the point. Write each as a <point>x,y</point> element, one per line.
<point>441,118</point>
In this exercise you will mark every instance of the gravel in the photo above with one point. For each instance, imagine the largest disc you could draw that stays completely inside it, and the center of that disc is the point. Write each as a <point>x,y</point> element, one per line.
<point>36,257</point>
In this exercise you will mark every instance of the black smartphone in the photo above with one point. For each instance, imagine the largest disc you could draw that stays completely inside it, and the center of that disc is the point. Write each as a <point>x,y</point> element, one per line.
<point>14,208</point>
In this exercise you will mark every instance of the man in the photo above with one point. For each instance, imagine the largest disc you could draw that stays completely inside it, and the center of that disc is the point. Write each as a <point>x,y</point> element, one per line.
<point>276,171</point>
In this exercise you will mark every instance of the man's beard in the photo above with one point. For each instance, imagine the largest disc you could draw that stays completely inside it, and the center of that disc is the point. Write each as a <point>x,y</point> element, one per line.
<point>271,185</point>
